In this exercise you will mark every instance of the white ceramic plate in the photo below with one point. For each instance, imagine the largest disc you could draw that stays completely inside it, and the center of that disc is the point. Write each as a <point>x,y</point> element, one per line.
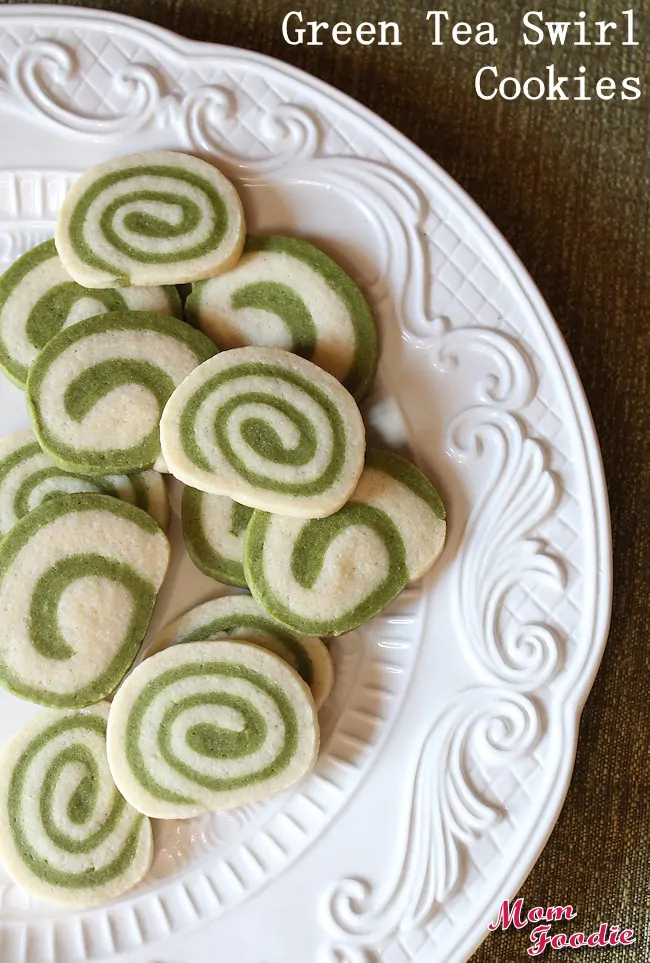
<point>450,737</point>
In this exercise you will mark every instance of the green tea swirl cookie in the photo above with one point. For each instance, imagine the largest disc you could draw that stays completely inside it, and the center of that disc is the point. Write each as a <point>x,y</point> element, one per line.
<point>394,485</point>
<point>213,528</point>
<point>266,428</point>
<point>28,476</point>
<point>38,298</point>
<point>206,725</point>
<point>66,834</point>
<point>239,616</point>
<point>97,390</point>
<point>328,576</point>
<point>160,217</point>
<point>145,490</point>
<point>285,293</point>
<point>79,578</point>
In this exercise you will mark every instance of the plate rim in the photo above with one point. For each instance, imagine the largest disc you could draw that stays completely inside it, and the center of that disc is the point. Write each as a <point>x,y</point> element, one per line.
<point>574,698</point>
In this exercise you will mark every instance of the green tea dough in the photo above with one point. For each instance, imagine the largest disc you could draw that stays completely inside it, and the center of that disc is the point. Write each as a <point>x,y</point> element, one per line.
<point>144,489</point>
<point>28,476</point>
<point>285,293</point>
<point>159,217</point>
<point>239,616</point>
<point>79,578</point>
<point>328,576</point>
<point>66,834</point>
<point>96,392</point>
<point>396,486</point>
<point>38,298</point>
<point>267,428</point>
<point>205,726</point>
<point>213,528</point>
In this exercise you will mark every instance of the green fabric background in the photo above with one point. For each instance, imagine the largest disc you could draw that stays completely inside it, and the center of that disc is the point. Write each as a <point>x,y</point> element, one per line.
<point>567,184</point>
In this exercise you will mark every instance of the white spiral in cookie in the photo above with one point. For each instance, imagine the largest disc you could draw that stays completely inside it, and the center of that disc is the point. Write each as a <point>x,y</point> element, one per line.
<point>268,429</point>
<point>97,390</point>
<point>326,576</point>
<point>286,293</point>
<point>66,834</point>
<point>214,527</point>
<point>28,477</point>
<point>150,218</point>
<point>144,489</point>
<point>239,616</point>
<point>209,725</point>
<point>38,298</point>
<point>79,578</point>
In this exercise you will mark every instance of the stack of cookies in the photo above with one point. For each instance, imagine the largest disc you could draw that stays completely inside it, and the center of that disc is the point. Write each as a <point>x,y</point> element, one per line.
<point>247,393</point>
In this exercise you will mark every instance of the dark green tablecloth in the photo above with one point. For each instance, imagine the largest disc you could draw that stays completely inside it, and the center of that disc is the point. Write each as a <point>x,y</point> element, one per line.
<point>568,185</point>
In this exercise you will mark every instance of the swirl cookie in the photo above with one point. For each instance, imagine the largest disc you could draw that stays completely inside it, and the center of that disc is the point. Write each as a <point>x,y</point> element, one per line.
<point>96,392</point>
<point>394,485</point>
<point>28,476</point>
<point>66,834</point>
<point>238,616</point>
<point>213,528</point>
<point>79,578</point>
<point>266,428</point>
<point>38,298</point>
<point>205,726</point>
<point>328,576</point>
<point>159,217</point>
<point>285,293</point>
<point>144,489</point>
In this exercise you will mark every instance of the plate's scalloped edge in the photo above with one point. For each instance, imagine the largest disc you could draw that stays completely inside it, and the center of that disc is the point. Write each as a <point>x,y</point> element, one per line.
<point>570,706</point>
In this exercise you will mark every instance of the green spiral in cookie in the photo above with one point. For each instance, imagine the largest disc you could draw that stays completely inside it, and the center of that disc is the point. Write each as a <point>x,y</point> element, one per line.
<point>97,390</point>
<point>66,833</point>
<point>268,429</point>
<point>146,217</point>
<point>209,725</point>
<point>285,293</point>
<point>38,298</point>
<point>239,616</point>
<point>302,581</point>
<point>79,577</point>
<point>213,528</point>
<point>326,576</point>
<point>144,489</point>
<point>28,477</point>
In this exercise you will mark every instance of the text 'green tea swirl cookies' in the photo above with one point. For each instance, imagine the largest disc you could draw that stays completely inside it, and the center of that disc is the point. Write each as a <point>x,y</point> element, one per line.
<point>79,578</point>
<point>66,834</point>
<point>28,476</point>
<point>160,217</point>
<point>210,725</point>
<point>266,428</point>
<point>239,616</point>
<point>285,293</point>
<point>213,528</point>
<point>327,576</point>
<point>97,390</point>
<point>38,298</point>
